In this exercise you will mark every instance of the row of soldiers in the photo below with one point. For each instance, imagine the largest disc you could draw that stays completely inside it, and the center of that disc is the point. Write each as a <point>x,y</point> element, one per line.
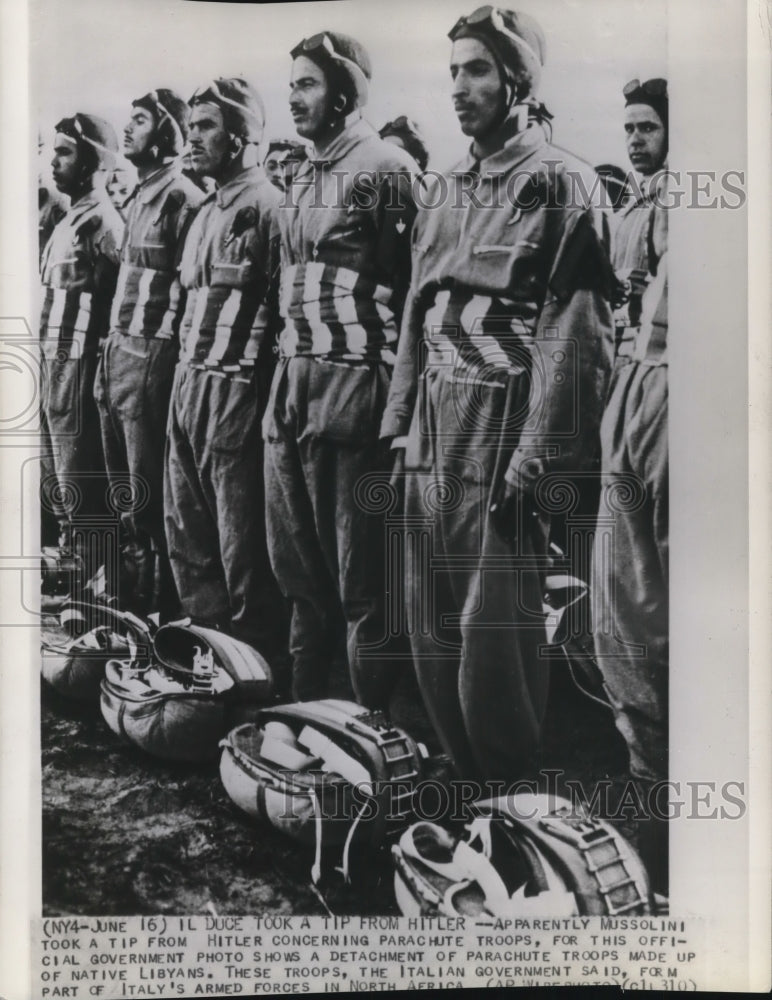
<point>256,364</point>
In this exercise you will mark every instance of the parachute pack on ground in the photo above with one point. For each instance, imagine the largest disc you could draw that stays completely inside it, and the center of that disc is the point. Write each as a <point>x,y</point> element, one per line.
<point>323,772</point>
<point>520,855</point>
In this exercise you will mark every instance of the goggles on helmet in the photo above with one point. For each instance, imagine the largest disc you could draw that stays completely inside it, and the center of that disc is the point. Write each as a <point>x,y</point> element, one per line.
<point>652,88</point>
<point>213,88</point>
<point>491,17</point>
<point>73,129</point>
<point>163,113</point>
<point>322,41</point>
<point>401,124</point>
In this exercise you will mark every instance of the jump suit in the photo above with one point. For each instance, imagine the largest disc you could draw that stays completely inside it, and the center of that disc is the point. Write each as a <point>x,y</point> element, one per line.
<point>79,269</point>
<point>134,380</point>
<point>51,210</point>
<point>345,270</point>
<point>631,562</point>
<point>502,368</point>
<point>213,487</point>
<point>631,548</point>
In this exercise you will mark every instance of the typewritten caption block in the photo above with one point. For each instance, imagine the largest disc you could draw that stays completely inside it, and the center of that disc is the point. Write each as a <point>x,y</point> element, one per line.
<point>170,956</point>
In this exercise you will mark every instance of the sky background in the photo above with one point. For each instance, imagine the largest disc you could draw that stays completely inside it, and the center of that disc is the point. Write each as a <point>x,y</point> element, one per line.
<point>98,55</point>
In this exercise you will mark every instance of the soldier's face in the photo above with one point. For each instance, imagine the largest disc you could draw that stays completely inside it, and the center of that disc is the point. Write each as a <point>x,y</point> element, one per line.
<point>289,168</point>
<point>117,187</point>
<point>309,99</point>
<point>138,135</point>
<point>65,164</point>
<point>646,138</point>
<point>478,90</point>
<point>208,140</point>
<point>273,169</point>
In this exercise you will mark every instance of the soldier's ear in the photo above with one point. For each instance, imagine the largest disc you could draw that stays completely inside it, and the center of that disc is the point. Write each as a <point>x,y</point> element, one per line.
<point>236,144</point>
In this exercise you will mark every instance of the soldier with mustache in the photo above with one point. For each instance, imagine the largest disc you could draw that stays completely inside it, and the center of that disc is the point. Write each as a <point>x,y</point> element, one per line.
<point>134,381</point>
<point>345,246</point>
<point>498,389</point>
<point>213,490</point>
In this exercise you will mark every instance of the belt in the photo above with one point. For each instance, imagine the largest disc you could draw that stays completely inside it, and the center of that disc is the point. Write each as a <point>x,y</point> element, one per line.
<point>158,335</point>
<point>454,369</point>
<point>234,376</point>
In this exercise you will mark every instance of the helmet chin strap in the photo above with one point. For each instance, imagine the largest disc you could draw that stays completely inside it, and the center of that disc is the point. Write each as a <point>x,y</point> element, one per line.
<point>515,116</point>
<point>515,110</point>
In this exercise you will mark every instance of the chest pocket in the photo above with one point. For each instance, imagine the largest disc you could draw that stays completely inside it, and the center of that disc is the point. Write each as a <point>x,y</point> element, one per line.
<point>345,245</point>
<point>348,240</point>
<point>73,269</point>
<point>515,270</point>
<point>151,249</point>
<point>233,264</point>
<point>508,247</point>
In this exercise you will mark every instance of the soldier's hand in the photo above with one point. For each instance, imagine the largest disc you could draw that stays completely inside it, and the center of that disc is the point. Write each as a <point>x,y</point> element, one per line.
<point>397,462</point>
<point>393,461</point>
<point>630,283</point>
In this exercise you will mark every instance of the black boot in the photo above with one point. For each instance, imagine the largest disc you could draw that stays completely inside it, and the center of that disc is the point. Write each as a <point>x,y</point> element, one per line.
<point>137,577</point>
<point>168,603</point>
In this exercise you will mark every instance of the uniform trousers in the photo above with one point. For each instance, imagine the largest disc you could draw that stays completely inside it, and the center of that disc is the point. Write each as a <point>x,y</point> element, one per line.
<point>630,563</point>
<point>215,509</point>
<point>325,526</point>
<point>133,388</point>
<point>475,614</point>
<point>73,480</point>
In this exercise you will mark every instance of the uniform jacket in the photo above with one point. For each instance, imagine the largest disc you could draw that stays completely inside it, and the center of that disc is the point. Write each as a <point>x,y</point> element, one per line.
<point>78,275</point>
<point>51,209</point>
<point>511,273</point>
<point>147,301</point>
<point>650,345</point>
<point>345,243</point>
<point>229,267</point>
<point>630,249</point>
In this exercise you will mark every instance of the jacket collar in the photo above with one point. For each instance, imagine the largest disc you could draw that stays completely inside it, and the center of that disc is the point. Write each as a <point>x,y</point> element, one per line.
<point>643,189</point>
<point>514,151</point>
<point>225,196</point>
<point>84,204</point>
<point>356,130</point>
<point>154,184</point>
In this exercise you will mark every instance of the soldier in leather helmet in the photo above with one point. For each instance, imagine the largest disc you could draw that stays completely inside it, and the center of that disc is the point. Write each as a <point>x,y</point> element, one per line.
<point>345,243</point>
<point>78,271</point>
<point>134,380</point>
<point>213,491</point>
<point>498,389</point>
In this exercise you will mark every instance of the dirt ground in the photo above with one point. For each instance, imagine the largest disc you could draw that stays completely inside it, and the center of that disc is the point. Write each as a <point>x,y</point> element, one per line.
<point>124,833</point>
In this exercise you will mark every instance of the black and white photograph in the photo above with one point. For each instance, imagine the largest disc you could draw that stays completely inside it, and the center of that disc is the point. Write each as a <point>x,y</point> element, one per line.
<point>351,451</point>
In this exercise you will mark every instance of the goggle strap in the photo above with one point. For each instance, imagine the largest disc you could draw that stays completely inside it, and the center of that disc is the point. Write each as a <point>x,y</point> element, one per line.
<point>494,18</point>
<point>82,135</point>
<point>325,43</point>
<point>521,42</point>
<point>227,100</point>
<point>165,113</point>
<point>98,145</point>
